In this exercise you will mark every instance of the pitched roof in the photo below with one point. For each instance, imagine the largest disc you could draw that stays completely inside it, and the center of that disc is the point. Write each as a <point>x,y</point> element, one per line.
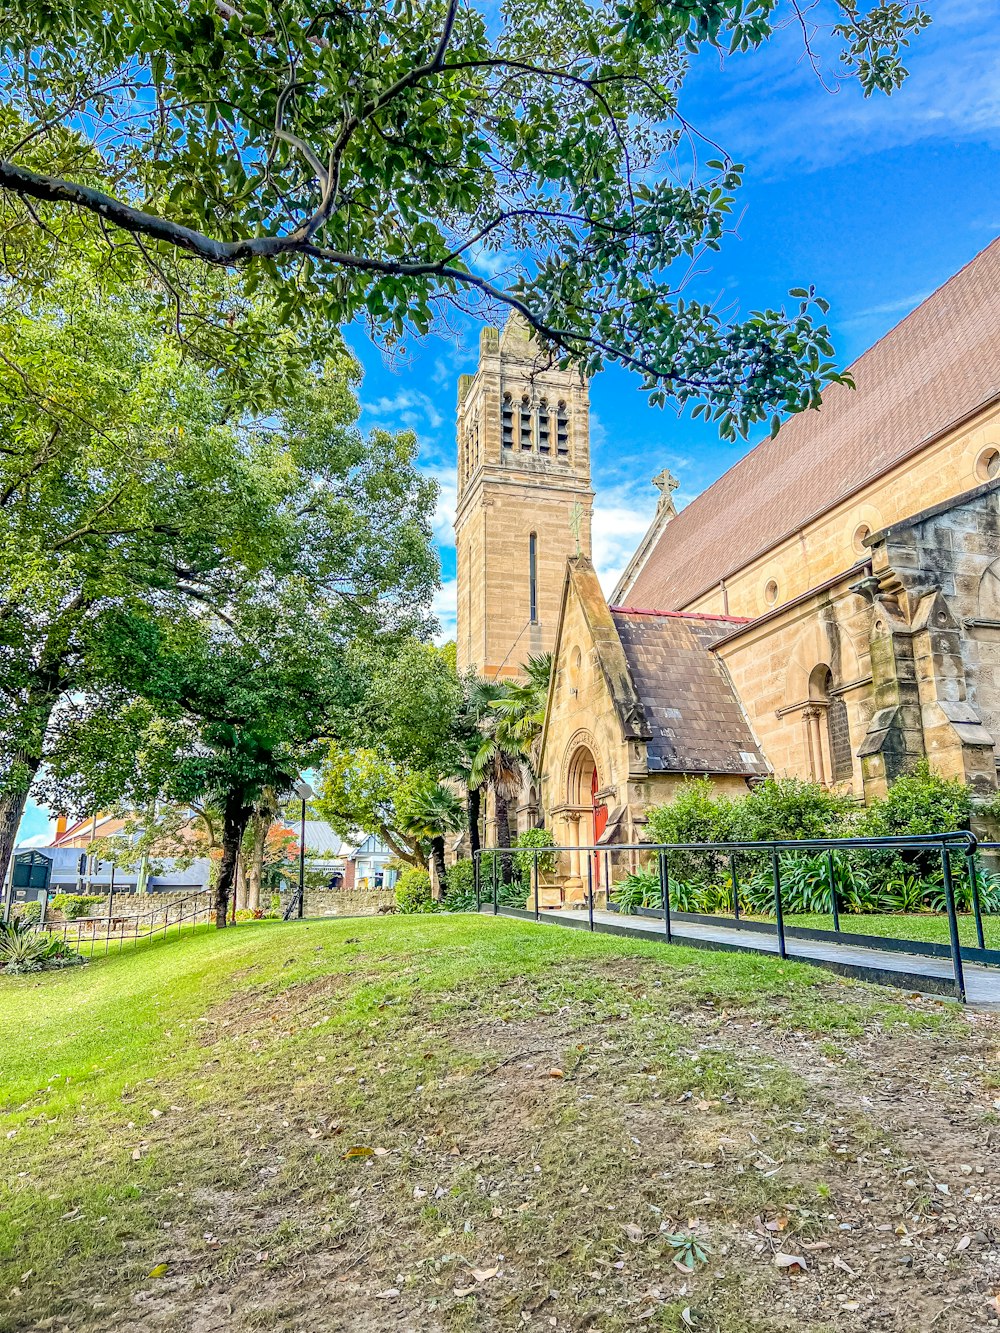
<point>937,366</point>
<point>695,721</point>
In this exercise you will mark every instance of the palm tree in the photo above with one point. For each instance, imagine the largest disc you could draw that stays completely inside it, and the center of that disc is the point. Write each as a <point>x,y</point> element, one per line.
<point>513,717</point>
<point>429,810</point>
<point>521,706</point>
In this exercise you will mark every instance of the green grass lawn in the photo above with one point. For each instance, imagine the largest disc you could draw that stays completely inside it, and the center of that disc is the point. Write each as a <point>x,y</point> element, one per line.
<point>925,926</point>
<point>454,1123</point>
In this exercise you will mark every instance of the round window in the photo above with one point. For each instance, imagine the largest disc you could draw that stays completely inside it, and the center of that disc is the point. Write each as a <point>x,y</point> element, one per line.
<point>860,537</point>
<point>988,464</point>
<point>771,592</point>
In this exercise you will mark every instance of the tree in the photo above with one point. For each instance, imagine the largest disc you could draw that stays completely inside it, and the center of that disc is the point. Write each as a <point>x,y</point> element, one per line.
<point>136,476</point>
<point>225,710</point>
<point>405,731</point>
<point>520,707</point>
<point>428,810</point>
<point>359,787</point>
<point>380,162</point>
<point>512,714</point>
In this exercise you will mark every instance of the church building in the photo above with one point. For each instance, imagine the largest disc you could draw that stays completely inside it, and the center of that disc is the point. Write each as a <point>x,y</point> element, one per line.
<point>829,609</point>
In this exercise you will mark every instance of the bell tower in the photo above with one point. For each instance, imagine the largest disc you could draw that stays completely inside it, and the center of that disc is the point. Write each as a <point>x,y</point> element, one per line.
<point>524,498</point>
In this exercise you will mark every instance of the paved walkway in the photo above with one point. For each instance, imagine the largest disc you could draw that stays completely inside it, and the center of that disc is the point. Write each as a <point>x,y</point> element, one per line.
<point>893,968</point>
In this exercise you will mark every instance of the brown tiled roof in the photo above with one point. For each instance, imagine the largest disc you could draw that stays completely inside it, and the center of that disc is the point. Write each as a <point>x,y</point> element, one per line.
<point>695,720</point>
<point>938,365</point>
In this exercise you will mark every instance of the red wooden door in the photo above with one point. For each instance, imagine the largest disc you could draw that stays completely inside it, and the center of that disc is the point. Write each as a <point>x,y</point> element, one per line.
<point>600,824</point>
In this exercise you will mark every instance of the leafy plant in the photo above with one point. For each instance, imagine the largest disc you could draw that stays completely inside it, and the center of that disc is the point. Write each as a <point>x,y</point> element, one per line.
<point>75,905</point>
<point>525,860</point>
<point>23,949</point>
<point>688,1251</point>
<point>641,888</point>
<point>30,911</point>
<point>906,892</point>
<point>413,891</point>
<point>687,895</point>
<point>513,894</point>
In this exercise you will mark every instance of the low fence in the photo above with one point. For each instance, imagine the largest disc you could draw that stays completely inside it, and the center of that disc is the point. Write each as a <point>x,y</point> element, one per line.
<point>122,925</point>
<point>955,862</point>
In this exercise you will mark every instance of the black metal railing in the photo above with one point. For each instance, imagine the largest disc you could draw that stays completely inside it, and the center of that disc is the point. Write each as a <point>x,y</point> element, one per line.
<point>86,934</point>
<point>597,859</point>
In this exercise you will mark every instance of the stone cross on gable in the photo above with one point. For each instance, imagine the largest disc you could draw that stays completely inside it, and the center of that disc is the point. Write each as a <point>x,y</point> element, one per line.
<point>666,483</point>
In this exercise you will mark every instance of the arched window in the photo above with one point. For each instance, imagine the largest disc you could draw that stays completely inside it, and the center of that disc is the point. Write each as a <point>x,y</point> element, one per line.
<point>507,422</point>
<point>525,424</point>
<point>533,577</point>
<point>841,759</point>
<point>543,427</point>
<point>562,429</point>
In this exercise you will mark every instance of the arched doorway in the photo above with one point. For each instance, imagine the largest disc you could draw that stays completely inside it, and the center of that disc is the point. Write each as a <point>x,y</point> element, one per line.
<point>583,787</point>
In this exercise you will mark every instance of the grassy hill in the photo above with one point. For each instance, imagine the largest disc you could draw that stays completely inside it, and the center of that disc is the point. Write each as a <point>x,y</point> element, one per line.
<point>475,1124</point>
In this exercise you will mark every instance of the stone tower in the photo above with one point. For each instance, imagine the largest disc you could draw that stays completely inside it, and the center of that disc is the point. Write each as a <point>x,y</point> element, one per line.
<point>524,499</point>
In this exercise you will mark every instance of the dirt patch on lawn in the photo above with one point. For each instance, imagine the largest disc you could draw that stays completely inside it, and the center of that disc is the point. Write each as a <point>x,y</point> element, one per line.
<point>620,1158</point>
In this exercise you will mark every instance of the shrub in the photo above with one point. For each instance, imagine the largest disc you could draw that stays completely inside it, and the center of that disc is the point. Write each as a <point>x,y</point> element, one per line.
<point>918,802</point>
<point>779,809</point>
<point>23,949</point>
<point>30,911</point>
<point>461,895</point>
<point>525,861</point>
<point>75,905</point>
<point>640,889</point>
<point>696,814</point>
<point>413,891</point>
<point>508,895</point>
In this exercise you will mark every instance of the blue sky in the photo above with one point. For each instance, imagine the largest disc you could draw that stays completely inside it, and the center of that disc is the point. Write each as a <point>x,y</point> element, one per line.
<point>875,202</point>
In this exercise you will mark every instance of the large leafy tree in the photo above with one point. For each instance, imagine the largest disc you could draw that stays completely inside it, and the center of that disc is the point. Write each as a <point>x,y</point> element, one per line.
<point>385,160</point>
<point>137,477</point>
<point>405,738</point>
<point>220,708</point>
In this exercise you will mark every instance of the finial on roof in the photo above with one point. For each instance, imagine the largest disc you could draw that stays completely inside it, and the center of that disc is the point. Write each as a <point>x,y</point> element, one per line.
<point>666,483</point>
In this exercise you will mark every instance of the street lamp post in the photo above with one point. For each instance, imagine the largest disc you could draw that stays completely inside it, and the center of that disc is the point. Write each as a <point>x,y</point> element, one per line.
<point>305,793</point>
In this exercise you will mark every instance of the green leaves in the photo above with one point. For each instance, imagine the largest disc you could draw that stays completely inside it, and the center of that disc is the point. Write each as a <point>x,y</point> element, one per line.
<point>419,156</point>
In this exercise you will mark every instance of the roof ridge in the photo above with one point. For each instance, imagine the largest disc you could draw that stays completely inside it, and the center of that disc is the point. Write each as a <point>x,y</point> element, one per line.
<point>934,368</point>
<point>678,615</point>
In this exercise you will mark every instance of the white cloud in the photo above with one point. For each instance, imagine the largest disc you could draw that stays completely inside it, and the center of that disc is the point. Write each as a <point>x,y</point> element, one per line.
<point>775,112</point>
<point>39,840</point>
<point>408,407</point>
<point>443,520</point>
<point>621,516</point>
<point>445,606</point>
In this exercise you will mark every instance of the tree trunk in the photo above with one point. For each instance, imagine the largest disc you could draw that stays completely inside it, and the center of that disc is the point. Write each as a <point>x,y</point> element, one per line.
<point>437,851</point>
<point>241,882</point>
<point>235,814</point>
<point>474,800</point>
<point>259,828</point>
<point>11,810</point>
<point>503,836</point>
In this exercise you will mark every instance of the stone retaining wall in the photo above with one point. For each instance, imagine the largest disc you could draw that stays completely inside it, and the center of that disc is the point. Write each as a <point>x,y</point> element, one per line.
<point>346,902</point>
<point>141,904</point>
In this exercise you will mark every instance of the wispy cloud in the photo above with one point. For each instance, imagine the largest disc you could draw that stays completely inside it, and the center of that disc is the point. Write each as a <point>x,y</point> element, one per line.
<point>772,110</point>
<point>622,513</point>
<point>409,407</point>
<point>444,607</point>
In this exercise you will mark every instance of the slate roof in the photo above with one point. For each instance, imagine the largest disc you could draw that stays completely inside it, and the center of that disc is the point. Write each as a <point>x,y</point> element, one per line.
<point>937,366</point>
<point>320,838</point>
<point>695,720</point>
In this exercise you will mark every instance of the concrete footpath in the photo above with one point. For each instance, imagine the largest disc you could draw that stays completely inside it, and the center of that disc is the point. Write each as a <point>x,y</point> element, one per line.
<point>891,967</point>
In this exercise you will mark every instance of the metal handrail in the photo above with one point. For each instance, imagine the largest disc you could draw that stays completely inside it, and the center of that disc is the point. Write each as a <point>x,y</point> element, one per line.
<point>961,842</point>
<point>176,913</point>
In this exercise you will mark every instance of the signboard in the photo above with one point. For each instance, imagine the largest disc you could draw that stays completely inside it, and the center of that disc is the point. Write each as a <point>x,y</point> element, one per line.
<point>32,870</point>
